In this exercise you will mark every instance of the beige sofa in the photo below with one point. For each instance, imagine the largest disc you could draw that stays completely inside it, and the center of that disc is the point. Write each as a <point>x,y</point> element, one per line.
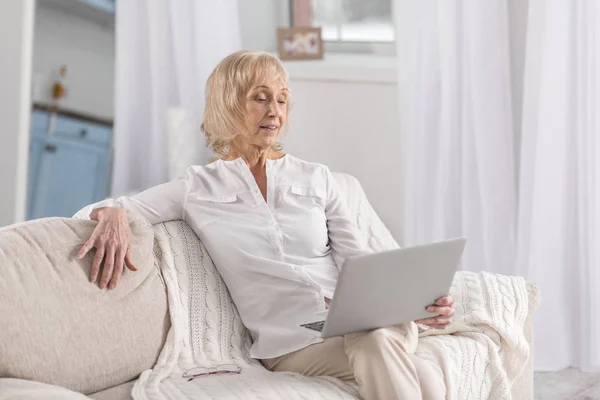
<point>61,337</point>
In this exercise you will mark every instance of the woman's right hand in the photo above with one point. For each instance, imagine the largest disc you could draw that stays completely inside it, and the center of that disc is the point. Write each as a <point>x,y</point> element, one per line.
<point>112,240</point>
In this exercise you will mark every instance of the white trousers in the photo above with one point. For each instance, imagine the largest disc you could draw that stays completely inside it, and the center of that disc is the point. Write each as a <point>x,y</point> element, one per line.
<point>382,362</point>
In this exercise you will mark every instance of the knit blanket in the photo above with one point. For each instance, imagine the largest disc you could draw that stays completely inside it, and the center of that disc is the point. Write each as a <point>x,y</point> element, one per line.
<point>480,355</point>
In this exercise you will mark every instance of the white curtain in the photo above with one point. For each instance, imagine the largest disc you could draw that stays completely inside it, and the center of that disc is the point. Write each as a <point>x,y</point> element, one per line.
<point>165,51</point>
<point>460,176</point>
<point>559,213</point>
<point>455,106</point>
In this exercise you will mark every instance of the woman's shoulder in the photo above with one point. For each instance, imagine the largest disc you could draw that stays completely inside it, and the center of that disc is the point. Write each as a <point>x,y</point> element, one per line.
<point>304,165</point>
<point>215,177</point>
<point>297,171</point>
<point>209,169</point>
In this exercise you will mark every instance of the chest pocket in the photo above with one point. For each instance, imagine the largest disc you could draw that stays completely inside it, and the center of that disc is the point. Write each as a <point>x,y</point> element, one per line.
<point>307,197</point>
<point>219,199</point>
<point>308,191</point>
<point>215,208</point>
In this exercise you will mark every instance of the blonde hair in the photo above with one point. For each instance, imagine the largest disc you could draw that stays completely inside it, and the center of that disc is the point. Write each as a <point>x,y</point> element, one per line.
<point>226,91</point>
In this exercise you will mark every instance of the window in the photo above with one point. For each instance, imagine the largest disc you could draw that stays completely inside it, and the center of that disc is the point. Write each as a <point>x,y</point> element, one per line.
<point>345,21</point>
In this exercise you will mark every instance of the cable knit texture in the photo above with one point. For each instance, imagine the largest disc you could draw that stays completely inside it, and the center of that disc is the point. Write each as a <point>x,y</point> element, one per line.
<point>481,355</point>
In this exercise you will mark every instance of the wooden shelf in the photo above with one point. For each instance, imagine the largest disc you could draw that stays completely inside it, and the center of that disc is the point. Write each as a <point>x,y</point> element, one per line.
<point>73,114</point>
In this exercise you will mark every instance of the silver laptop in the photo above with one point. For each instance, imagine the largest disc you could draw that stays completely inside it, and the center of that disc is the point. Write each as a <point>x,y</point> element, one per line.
<point>389,288</point>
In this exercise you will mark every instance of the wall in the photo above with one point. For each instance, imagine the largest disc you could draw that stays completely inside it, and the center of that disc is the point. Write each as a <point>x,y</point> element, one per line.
<point>259,20</point>
<point>345,115</point>
<point>16,28</point>
<point>86,46</point>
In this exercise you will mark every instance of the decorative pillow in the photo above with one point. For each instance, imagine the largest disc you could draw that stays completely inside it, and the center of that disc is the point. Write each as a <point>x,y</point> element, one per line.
<point>59,328</point>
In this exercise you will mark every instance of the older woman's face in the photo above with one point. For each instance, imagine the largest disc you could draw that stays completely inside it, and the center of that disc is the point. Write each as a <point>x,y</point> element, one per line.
<point>266,112</point>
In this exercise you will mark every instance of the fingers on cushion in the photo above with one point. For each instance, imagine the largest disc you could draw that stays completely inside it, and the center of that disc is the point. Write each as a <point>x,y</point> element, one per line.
<point>128,260</point>
<point>109,264</point>
<point>86,248</point>
<point>96,263</point>
<point>118,270</point>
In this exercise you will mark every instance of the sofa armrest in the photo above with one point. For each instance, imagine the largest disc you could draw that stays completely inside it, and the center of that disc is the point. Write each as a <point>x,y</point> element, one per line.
<point>523,387</point>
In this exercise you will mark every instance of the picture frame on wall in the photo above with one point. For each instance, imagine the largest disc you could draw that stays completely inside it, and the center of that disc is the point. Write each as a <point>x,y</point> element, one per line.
<point>300,43</point>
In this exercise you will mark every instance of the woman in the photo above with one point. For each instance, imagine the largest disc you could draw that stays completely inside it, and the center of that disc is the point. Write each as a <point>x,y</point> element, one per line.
<point>278,230</point>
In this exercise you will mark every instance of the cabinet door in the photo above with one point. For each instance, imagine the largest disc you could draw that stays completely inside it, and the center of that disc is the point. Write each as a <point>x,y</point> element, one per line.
<point>108,6</point>
<point>35,160</point>
<point>70,177</point>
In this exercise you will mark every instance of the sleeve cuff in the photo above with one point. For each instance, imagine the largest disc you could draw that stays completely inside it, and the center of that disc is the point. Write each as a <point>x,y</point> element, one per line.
<point>86,212</point>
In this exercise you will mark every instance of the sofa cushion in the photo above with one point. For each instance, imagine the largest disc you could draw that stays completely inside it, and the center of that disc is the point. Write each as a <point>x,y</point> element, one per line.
<point>19,389</point>
<point>121,392</point>
<point>59,328</point>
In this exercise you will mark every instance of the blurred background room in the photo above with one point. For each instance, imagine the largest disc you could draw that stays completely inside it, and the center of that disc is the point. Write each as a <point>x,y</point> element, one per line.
<point>483,115</point>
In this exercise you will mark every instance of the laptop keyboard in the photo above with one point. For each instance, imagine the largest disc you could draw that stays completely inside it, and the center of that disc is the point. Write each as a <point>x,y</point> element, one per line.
<point>315,326</point>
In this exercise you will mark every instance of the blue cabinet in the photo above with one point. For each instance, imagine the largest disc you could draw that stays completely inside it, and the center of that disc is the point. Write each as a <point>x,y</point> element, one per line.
<point>35,159</point>
<point>69,165</point>
<point>107,6</point>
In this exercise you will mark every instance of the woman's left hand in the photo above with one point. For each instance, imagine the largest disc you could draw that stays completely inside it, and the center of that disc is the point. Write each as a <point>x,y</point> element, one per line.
<point>444,307</point>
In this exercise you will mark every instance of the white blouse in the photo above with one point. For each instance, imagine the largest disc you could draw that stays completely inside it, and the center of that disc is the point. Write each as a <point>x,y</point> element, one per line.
<point>279,258</point>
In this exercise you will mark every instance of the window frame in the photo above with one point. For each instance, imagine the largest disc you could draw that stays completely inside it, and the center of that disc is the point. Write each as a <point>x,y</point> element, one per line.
<point>384,48</point>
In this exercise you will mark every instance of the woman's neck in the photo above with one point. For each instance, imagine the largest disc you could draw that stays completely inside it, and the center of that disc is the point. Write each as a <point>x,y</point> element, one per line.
<point>255,157</point>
